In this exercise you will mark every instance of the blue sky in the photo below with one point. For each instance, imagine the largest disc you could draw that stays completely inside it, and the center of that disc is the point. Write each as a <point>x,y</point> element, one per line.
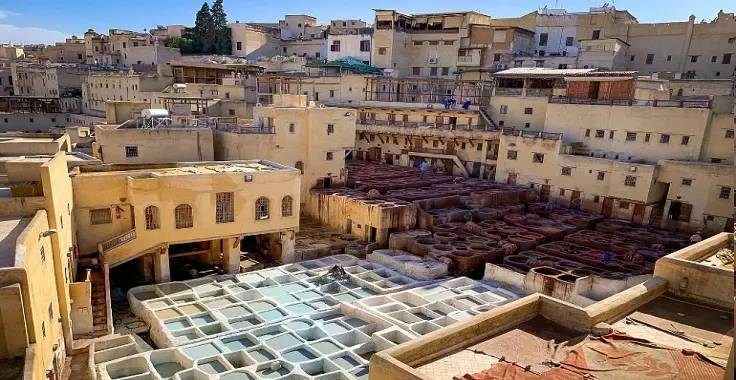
<point>46,21</point>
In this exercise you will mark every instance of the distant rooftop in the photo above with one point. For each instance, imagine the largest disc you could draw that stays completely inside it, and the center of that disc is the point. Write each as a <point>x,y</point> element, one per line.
<point>545,72</point>
<point>10,229</point>
<point>183,168</point>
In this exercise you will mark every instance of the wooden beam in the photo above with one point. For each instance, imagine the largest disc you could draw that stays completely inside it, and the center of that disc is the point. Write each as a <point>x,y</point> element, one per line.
<point>425,139</point>
<point>472,145</point>
<point>381,138</point>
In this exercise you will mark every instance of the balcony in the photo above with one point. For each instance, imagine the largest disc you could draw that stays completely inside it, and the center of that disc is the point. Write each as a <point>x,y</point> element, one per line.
<point>501,91</point>
<point>633,103</point>
<point>469,60</point>
<point>420,125</point>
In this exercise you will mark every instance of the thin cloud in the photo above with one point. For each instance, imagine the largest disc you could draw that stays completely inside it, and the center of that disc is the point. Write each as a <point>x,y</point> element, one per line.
<point>20,35</point>
<point>5,14</point>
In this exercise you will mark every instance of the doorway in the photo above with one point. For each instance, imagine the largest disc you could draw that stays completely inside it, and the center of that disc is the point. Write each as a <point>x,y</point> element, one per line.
<point>607,207</point>
<point>373,234</point>
<point>389,158</point>
<point>326,182</point>
<point>544,193</point>
<point>575,199</point>
<point>349,226</point>
<point>639,211</point>
<point>511,180</point>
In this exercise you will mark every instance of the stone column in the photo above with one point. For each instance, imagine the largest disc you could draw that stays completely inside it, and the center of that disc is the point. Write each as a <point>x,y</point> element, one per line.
<point>146,267</point>
<point>161,271</point>
<point>231,255</point>
<point>287,247</point>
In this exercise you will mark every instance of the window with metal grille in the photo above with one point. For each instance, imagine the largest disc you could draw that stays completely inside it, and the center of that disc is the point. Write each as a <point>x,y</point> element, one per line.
<point>330,129</point>
<point>153,221</point>
<point>528,111</point>
<point>262,208</point>
<point>183,216</point>
<point>630,181</point>
<point>601,176</point>
<point>511,154</point>
<point>729,133</point>
<point>725,193</point>
<point>286,204</point>
<point>685,140</point>
<point>100,216</point>
<point>599,133</point>
<point>687,182</point>
<point>630,136</point>
<point>131,151</point>
<point>225,207</point>
<point>566,171</point>
<point>664,139</point>
<point>538,158</point>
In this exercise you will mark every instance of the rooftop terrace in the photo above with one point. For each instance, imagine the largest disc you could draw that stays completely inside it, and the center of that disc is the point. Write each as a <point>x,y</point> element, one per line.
<point>184,168</point>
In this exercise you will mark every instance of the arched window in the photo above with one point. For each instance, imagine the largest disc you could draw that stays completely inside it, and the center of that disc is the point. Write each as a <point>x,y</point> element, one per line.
<point>153,222</point>
<point>183,216</point>
<point>286,206</point>
<point>299,165</point>
<point>262,208</point>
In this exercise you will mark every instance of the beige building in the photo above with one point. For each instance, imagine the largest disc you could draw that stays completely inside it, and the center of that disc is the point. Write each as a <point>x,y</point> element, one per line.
<point>120,144</point>
<point>11,52</point>
<point>127,48</point>
<point>295,35</point>
<point>120,86</point>
<point>72,50</point>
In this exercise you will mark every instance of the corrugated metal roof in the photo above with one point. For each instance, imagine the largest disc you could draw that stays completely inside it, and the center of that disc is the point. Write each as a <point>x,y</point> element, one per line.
<point>543,71</point>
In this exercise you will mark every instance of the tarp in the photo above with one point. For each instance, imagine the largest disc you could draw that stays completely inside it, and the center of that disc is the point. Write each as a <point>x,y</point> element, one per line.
<point>615,357</point>
<point>348,63</point>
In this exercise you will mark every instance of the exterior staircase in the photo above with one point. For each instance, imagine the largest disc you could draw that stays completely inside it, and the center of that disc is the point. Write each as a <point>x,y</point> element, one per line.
<point>485,113</point>
<point>100,313</point>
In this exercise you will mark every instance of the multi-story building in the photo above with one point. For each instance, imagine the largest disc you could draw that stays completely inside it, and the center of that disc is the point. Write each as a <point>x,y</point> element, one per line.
<point>121,86</point>
<point>70,51</point>
<point>349,38</point>
<point>127,48</point>
<point>11,52</point>
<point>6,79</point>
<point>296,35</point>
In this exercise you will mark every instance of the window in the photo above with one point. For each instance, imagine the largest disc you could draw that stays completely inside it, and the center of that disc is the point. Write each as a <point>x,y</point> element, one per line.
<point>511,154</point>
<point>365,45</point>
<point>601,176</point>
<point>238,45</point>
<point>623,205</point>
<point>382,51</point>
<point>650,59</point>
<point>527,125</point>
<point>131,151</point>
<point>501,123</point>
<point>448,42</point>
<point>445,71</point>
<point>725,193</point>
<point>664,139</point>
<point>497,58</point>
<point>610,135</point>
<point>647,136</point>
<point>630,136</point>
<point>599,133</point>
<point>225,207</point>
<point>538,63</point>
<point>587,133</point>
<point>518,63</point>
<point>434,42</point>
<point>227,95</point>
<point>569,41</point>
<point>630,181</point>
<point>100,216</point>
<point>330,129</point>
<point>433,71</point>
<point>538,157</point>
<point>687,182</point>
<point>435,144</point>
<point>335,45</point>
<point>503,109</point>
<point>262,208</point>
<point>43,328</point>
<point>416,71</point>
<point>153,221</point>
<point>693,58</point>
<point>596,199</point>
<point>727,58</point>
<point>329,156</point>
<point>685,140</point>
<point>42,251</point>
<point>596,34</point>
<point>716,160</point>
<point>542,53</point>
<point>543,37</point>
<point>713,59</point>
<point>332,93</point>
<point>669,58</point>
<point>231,112</point>
<point>528,111</point>
<point>286,203</point>
<point>729,133</point>
<point>418,43</point>
<point>292,127</point>
<point>183,216</point>
<point>567,171</point>
<point>562,191</point>
<point>51,312</point>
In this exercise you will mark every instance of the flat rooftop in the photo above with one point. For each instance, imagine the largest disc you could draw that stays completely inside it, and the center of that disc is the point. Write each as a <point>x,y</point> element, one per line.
<point>184,168</point>
<point>10,229</point>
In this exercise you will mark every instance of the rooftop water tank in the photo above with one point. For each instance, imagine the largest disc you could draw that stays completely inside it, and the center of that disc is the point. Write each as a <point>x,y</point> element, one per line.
<point>154,113</point>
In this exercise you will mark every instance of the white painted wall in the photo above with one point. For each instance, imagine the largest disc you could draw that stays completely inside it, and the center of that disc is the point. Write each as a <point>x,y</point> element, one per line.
<point>349,46</point>
<point>557,39</point>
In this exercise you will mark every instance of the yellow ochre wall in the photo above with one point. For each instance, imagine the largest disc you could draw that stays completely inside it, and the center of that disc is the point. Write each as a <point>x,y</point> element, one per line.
<point>160,145</point>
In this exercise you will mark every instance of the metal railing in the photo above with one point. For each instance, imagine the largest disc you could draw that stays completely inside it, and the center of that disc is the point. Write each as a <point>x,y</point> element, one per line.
<point>632,102</point>
<point>500,91</point>
<point>543,135</point>
<point>538,92</point>
<point>420,125</point>
<point>117,241</point>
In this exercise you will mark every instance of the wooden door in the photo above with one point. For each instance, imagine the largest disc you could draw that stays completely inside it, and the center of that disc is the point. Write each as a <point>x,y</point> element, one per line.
<point>389,158</point>
<point>639,210</point>
<point>607,206</point>
<point>544,193</point>
<point>450,148</point>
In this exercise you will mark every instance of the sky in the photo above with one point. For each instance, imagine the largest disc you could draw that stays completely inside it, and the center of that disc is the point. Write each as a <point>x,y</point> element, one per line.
<point>49,21</point>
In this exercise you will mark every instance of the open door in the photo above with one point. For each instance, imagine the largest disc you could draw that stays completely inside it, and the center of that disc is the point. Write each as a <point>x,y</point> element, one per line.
<point>607,206</point>
<point>639,210</point>
<point>544,193</point>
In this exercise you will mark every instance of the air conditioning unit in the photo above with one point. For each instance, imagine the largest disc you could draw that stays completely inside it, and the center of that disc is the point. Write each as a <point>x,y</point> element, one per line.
<point>433,60</point>
<point>501,66</point>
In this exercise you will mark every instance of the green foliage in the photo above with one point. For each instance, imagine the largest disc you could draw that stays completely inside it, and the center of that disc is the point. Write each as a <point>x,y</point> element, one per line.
<point>185,45</point>
<point>210,34</point>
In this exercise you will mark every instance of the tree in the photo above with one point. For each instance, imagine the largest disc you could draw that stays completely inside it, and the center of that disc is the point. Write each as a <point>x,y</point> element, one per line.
<point>185,45</point>
<point>204,30</point>
<point>222,44</point>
